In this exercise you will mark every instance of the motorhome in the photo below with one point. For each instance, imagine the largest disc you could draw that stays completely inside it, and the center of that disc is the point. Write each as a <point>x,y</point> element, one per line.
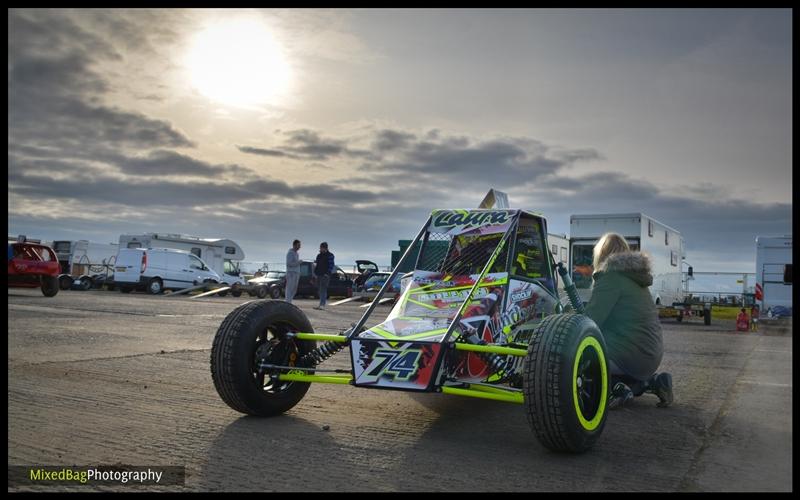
<point>76,256</point>
<point>773,272</point>
<point>663,244</point>
<point>222,255</point>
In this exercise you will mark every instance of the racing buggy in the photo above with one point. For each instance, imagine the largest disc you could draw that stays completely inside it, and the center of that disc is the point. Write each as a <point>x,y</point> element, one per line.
<point>32,265</point>
<point>479,316</point>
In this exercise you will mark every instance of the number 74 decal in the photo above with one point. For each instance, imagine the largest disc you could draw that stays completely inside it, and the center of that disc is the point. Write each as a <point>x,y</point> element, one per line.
<point>399,365</point>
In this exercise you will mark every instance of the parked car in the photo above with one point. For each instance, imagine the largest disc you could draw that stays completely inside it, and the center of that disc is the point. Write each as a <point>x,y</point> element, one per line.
<point>366,268</point>
<point>374,283</point>
<point>157,269</point>
<point>340,285</point>
<point>272,284</point>
<point>31,265</point>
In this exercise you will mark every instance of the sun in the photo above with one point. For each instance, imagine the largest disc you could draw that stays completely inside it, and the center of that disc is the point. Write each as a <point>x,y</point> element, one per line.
<point>238,63</point>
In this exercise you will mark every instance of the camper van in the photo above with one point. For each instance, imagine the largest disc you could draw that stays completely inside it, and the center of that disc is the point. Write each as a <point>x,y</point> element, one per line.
<point>157,269</point>
<point>559,247</point>
<point>774,273</point>
<point>663,244</point>
<point>221,255</point>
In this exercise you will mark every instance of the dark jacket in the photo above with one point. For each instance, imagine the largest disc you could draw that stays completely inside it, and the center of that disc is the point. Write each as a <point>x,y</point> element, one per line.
<point>623,308</point>
<point>324,264</point>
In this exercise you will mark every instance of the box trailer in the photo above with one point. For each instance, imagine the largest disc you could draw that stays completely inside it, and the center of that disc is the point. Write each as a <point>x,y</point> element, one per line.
<point>79,259</point>
<point>773,273</point>
<point>663,244</point>
<point>222,255</point>
<point>559,247</point>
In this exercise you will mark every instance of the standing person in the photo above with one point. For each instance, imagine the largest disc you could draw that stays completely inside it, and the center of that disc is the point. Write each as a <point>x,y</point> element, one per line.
<point>754,318</point>
<point>322,271</point>
<point>742,321</point>
<point>623,308</point>
<point>292,270</point>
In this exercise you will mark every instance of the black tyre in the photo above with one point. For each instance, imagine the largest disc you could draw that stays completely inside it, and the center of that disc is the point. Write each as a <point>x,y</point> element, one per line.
<point>155,286</point>
<point>65,281</point>
<point>566,383</point>
<point>275,292</point>
<point>50,286</point>
<point>125,289</point>
<point>262,292</point>
<point>253,331</point>
<point>86,283</point>
<point>707,317</point>
<point>236,293</point>
<point>224,292</point>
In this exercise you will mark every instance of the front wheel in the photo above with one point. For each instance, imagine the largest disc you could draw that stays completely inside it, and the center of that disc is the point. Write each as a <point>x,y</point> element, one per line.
<point>566,382</point>
<point>65,281</point>
<point>275,292</point>
<point>252,333</point>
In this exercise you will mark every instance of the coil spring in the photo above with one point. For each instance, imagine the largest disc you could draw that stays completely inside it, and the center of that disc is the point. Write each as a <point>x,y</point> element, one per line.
<point>321,353</point>
<point>497,363</point>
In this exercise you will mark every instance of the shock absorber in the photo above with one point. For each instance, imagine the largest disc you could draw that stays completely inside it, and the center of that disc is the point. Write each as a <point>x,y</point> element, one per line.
<point>497,364</point>
<point>321,353</point>
<point>569,287</point>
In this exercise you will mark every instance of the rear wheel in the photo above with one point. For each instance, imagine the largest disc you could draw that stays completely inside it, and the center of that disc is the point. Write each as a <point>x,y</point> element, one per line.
<point>50,286</point>
<point>155,286</point>
<point>252,333</point>
<point>262,292</point>
<point>275,292</point>
<point>224,292</point>
<point>566,383</point>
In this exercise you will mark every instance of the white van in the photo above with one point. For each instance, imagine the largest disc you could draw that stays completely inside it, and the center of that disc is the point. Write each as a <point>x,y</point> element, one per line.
<point>155,269</point>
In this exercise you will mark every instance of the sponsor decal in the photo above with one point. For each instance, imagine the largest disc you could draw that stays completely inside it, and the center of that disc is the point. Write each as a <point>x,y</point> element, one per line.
<point>448,219</point>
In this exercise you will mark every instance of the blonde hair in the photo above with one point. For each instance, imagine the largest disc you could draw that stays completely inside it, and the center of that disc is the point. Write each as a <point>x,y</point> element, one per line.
<point>610,243</point>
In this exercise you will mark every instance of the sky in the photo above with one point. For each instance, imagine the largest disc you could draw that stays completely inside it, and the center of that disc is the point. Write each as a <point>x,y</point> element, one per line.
<point>350,126</point>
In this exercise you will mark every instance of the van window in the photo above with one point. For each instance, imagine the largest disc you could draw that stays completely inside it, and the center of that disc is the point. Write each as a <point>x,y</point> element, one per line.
<point>666,237</point>
<point>195,263</point>
<point>196,251</point>
<point>787,274</point>
<point>134,244</point>
<point>230,250</point>
<point>649,228</point>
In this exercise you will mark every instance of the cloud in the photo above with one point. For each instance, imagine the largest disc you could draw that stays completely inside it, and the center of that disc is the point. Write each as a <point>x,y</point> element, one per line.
<point>55,91</point>
<point>261,152</point>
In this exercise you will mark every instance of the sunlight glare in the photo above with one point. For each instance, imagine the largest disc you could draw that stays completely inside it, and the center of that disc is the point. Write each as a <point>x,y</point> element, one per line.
<point>239,63</point>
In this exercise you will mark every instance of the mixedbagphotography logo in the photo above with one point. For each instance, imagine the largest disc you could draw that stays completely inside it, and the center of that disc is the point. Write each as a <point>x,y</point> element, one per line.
<point>119,474</point>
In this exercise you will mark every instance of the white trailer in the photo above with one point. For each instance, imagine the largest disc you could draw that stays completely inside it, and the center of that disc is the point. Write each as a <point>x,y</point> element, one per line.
<point>773,272</point>
<point>75,256</point>
<point>663,244</point>
<point>222,255</point>
<point>559,247</point>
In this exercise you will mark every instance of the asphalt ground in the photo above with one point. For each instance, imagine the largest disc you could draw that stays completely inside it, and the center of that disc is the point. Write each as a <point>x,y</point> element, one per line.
<point>101,377</point>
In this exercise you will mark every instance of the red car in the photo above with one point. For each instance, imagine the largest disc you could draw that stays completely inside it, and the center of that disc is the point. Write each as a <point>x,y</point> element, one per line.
<point>31,265</point>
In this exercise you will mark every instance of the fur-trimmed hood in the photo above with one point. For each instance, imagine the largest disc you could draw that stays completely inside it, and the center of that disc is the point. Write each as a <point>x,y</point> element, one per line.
<point>634,265</point>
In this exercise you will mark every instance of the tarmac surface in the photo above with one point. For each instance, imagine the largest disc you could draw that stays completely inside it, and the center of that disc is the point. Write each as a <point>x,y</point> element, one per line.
<point>102,377</point>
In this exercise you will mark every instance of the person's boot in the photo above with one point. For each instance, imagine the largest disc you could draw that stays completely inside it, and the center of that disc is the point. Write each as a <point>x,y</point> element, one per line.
<point>661,385</point>
<point>620,395</point>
